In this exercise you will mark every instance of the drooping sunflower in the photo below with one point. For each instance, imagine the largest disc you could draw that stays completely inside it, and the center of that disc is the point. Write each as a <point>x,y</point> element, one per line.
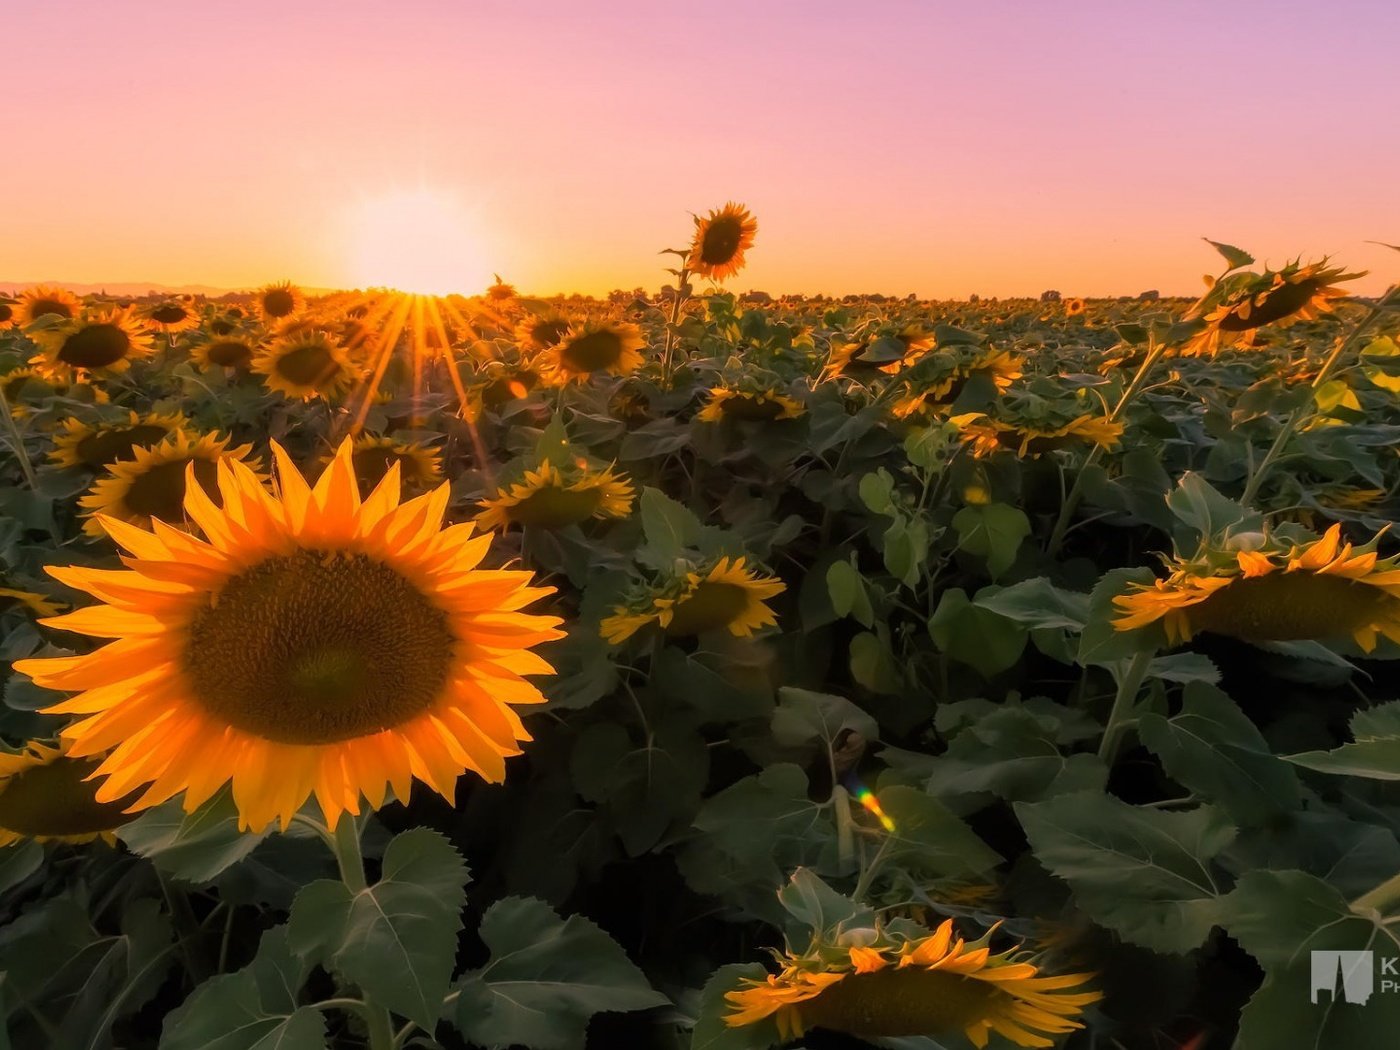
<point>31,601</point>
<point>1274,297</point>
<point>938,380</point>
<point>886,352</point>
<point>721,239</point>
<point>419,466</point>
<point>96,445</point>
<point>313,645</point>
<point>550,498</point>
<point>96,340</point>
<point>46,796</point>
<point>234,350</point>
<point>930,986</point>
<point>151,485</point>
<point>45,300</point>
<point>734,403</point>
<point>306,365</point>
<point>594,348</point>
<point>728,595</point>
<point>171,315</point>
<point>279,301</point>
<point>1033,438</point>
<point>1274,592</point>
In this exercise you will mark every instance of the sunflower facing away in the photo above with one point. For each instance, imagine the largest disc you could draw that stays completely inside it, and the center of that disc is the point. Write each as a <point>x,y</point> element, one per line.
<point>44,301</point>
<point>45,796</point>
<point>730,403</point>
<point>152,483</point>
<point>930,986</point>
<point>550,498</point>
<point>313,644</point>
<point>95,340</point>
<point>721,239</point>
<point>612,348</point>
<point>1274,593</point>
<point>96,445</point>
<point>305,365</point>
<point>279,301</point>
<point>1295,293</point>
<point>727,596</point>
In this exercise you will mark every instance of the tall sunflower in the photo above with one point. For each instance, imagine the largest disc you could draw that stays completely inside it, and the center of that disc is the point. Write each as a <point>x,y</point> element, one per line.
<point>96,445</point>
<point>305,365</point>
<point>1274,592</point>
<point>1275,297</point>
<point>46,796</point>
<point>277,302</point>
<point>728,596</point>
<point>313,645</point>
<point>152,484</point>
<point>96,340</point>
<point>721,239</point>
<point>934,985</point>
<point>550,498</point>
<point>171,315</point>
<point>46,300</point>
<point>608,347</point>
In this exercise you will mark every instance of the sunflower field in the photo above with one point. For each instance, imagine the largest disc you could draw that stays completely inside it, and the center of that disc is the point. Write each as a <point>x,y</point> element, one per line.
<point>696,670</point>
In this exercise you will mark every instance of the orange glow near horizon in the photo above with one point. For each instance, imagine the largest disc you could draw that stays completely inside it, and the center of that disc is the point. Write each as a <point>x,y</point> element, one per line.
<point>420,240</point>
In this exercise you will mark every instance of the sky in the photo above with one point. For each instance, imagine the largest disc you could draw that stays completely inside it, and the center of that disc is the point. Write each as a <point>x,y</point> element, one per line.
<point>938,148</point>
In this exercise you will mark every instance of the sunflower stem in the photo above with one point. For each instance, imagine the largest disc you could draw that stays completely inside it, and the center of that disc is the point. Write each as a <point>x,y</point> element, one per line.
<point>1071,501</point>
<point>1256,477</point>
<point>1381,898</point>
<point>1128,687</point>
<point>16,443</point>
<point>345,844</point>
<point>668,348</point>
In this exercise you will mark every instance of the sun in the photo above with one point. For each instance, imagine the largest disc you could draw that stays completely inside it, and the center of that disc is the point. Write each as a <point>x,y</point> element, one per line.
<point>419,240</point>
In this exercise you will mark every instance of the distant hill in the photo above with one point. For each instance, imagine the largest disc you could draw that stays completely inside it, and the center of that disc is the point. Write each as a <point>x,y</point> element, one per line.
<point>139,288</point>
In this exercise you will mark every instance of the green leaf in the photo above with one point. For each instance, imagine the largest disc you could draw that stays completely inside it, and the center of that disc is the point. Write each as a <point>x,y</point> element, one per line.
<point>1102,644</point>
<point>18,862</point>
<point>1038,603</point>
<point>1375,754</point>
<point>803,717</point>
<point>1232,255</point>
<point>928,838</point>
<point>711,1032</point>
<point>252,1009</point>
<point>397,939</point>
<point>817,907</point>
<point>877,491</point>
<point>974,635</point>
<point>670,528</point>
<point>904,547</point>
<point>193,847</point>
<point>1202,508</point>
<point>1212,748</point>
<point>849,597</point>
<point>873,665</point>
<point>993,531</point>
<point>546,977</point>
<point>1144,873</point>
<point>553,444</point>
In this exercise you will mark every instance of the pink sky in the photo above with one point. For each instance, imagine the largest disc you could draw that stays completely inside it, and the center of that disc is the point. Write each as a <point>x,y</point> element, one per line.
<point>939,148</point>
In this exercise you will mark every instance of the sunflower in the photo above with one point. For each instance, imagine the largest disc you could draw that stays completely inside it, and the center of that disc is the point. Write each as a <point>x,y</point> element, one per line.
<point>728,595</point>
<point>549,499</point>
<point>1074,307</point>
<point>152,484</point>
<point>94,340</point>
<point>938,381</point>
<point>95,445</point>
<point>1031,439</point>
<point>930,986</point>
<point>36,604</point>
<point>594,348</point>
<point>314,645</point>
<point>45,300</point>
<point>541,332</point>
<point>500,291</point>
<point>234,351</point>
<point>9,313</point>
<point>504,383</point>
<point>419,465</point>
<point>721,239</point>
<point>730,403</point>
<point>279,301</point>
<point>1251,301</point>
<point>46,796</point>
<point>306,365</point>
<point>24,387</point>
<point>1274,592</point>
<point>171,316</point>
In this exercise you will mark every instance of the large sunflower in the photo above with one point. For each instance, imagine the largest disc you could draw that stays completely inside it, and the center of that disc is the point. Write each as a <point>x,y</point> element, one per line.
<point>721,239</point>
<point>277,302</point>
<point>46,300</point>
<point>1273,593</point>
<point>610,347</point>
<point>96,445</point>
<point>306,365</point>
<point>152,484</point>
<point>46,796</point>
<point>96,340</point>
<point>232,350</point>
<point>171,315</point>
<point>313,644</point>
<point>934,985</point>
<point>727,596</point>
<point>548,498</point>
<point>1294,293</point>
<point>734,403</point>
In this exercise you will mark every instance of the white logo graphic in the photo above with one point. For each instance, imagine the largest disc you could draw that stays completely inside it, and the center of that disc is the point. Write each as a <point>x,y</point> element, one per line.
<point>1356,969</point>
